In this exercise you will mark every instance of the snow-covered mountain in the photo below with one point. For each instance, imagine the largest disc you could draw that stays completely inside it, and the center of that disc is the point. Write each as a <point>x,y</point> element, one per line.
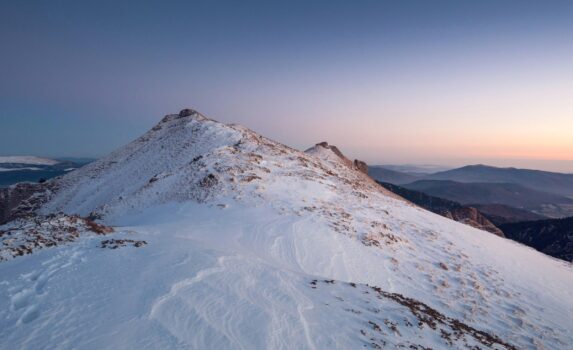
<point>251,244</point>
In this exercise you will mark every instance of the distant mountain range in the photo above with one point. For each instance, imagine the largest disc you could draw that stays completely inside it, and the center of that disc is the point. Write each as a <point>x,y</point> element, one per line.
<point>509,194</point>
<point>382,174</point>
<point>14,169</point>
<point>503,214</point>
<point>415,169</point>
<point>530,206</point>
<point>553,237</point>
<point>503,194</point>
<point>545,181</point>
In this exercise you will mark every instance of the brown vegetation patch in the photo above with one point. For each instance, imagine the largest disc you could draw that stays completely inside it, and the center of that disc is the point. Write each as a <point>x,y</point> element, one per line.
<point>378,326</point>
<point>24,236</point>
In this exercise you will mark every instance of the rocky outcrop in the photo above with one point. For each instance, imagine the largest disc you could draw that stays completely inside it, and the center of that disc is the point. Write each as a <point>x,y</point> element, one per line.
<point>187,112</point>
<point>472,217</point>
<point>25,236</point>
<point>22,199</point>
<point>361,166</point>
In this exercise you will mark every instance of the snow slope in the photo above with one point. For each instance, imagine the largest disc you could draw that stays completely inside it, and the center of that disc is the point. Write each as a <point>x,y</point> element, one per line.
<point>252,244</point>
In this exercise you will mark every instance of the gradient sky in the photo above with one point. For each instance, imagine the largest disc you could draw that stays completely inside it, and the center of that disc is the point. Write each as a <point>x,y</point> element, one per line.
<point>442,82</point>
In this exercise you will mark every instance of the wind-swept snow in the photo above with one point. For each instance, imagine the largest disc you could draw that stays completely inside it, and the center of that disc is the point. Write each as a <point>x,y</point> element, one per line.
<point>251,244</point>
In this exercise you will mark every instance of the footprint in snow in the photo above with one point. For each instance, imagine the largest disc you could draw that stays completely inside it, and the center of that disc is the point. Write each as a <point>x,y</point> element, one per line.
<point>27,296</point>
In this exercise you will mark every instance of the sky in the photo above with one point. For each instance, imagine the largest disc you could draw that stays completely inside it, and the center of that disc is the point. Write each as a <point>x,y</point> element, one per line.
<point>403,82</point>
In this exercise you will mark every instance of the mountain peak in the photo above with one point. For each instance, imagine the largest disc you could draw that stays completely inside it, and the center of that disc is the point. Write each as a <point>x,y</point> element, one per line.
<point>312,250</point>
<point>190,157</point>
<point>187,112</point>
<point>184,114</point>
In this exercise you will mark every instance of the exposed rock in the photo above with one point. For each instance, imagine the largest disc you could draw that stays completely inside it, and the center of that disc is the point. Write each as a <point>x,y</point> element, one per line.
<point>361,166</point>
<point>118,243</point>
<point>22,199</point>
<point>471,216</point>
<point>25,236</point>
<point>187,112</point>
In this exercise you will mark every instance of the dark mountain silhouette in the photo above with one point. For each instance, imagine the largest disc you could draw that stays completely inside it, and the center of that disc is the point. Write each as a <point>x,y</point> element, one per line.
<point>545,181</point>
<point>509,194</point>
<point>553,237</point>
<point>450,209</point>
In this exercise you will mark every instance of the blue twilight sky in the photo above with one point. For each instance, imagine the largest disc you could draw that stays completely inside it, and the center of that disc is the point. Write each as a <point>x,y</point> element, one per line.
<point>448,82</point>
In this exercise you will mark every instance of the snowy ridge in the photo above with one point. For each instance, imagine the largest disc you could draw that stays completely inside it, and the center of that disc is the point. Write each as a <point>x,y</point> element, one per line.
<point>195,158</point>
<point>252,244</point>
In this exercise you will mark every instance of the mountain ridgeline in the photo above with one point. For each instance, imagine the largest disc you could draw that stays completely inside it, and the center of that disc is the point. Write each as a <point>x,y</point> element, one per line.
<point>204,235</point>
<point>508,194</point>
<point>544,181</point>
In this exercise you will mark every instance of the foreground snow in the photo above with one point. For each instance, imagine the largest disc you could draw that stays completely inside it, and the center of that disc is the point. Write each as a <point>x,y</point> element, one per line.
<point>251,244</point>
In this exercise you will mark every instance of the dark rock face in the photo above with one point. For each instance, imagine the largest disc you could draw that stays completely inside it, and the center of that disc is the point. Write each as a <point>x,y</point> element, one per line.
<point>187,112</point>
<point>472,217</point>
<point>361,166</point>
<point>450,209</point>
<point>22,199</point>
<point>553,237</point>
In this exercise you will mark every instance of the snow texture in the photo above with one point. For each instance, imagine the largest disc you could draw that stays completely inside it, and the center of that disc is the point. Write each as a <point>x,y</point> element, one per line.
<point>254,245</point>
